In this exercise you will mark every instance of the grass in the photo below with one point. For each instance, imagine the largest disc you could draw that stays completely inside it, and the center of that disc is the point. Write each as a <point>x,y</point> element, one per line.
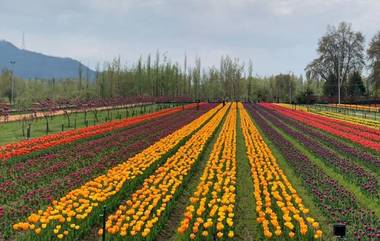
<point>246,225</point>
<point>12,131</point>
<point>361,197</point>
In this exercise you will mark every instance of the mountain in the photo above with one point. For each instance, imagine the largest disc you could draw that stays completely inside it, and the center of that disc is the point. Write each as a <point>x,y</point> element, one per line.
<point>31,65</point>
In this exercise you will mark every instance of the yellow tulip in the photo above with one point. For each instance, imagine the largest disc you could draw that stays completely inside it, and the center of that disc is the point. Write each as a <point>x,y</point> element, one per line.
<point>272,189</point>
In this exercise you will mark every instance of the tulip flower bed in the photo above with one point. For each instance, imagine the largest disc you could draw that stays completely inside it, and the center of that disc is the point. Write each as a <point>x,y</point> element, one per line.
<point>341,116</point>
<point>141,216</point>
<point>279,208</point>
<point>297,107</point>
<point>355,120</point>
<point>367,137</point>
<point>336,203</point>
<point>211,210</point>
<point>74,213</point>
<point>228,172</point>
<point>358,107</point>
<point>366,180</point>
<point>336,144</point>
<point>41,143</point>
<point>31,184</point>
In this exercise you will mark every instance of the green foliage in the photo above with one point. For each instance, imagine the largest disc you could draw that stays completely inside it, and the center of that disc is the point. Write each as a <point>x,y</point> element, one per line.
<point>355,85</point>
<point>159,76</point>
<point>306,96</point>
<point>374,59</point>
<point>340,52</point>
<point>330,87</point>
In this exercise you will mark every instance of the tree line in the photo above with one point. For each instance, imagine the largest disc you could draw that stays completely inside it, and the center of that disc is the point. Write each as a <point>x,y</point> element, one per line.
<point>344,66</point>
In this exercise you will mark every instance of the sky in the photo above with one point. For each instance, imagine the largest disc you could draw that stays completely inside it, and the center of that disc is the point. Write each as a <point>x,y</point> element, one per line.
<point>280,36</point>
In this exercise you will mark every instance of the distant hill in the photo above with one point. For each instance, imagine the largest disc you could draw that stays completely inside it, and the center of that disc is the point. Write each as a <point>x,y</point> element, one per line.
<point>31,65</point>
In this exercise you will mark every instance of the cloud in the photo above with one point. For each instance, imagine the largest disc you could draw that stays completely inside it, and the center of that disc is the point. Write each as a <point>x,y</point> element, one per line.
<point>279,35</point>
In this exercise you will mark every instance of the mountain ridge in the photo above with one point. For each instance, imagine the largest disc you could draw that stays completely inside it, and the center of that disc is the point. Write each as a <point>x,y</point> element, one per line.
<point>33,65</point>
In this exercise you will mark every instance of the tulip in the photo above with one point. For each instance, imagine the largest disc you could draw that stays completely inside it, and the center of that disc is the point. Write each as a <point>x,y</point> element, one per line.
<point>335,201</point>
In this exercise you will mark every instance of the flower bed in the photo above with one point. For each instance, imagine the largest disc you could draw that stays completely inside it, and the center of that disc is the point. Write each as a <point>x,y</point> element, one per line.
<point>210,213</point>
<point>338,204</point>
<point>33,183</point>
<point>80,207</point>
<point>366,180</point>
<point>364,136</point>
<point>140,217</point>
<point>41,143</point>
<point>280,210</point>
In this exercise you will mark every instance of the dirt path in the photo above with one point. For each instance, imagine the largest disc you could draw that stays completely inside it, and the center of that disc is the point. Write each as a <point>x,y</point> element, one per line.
<point>12,118</point>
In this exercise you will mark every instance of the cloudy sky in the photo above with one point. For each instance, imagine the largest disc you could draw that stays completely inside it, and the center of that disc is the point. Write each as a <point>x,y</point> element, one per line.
<point>278,35</point>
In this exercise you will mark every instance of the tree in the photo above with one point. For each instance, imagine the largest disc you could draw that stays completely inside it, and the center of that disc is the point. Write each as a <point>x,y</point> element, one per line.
<point>157,73</point>
<point>355,85</point>
<point>4,111</point>
<point>306,97</point>
<point>5,84</point>
<point>47,107</point>
<point>231,76</point>
<point>80,75</point>
<point>374,58</point>
<point>197,77</point>
<point>330,87</point>
<point>250,71</point>
<point>283,87</point>
<point>341,51</point>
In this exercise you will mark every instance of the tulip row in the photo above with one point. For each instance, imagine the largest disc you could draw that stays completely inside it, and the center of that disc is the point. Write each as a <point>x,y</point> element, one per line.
<point>367,137</point>
<point>336,203</point>
<point>336,144</point>
<point>344,126</point>
<point>366,180</point>
<point>41,143</point>
<point>210,213</point>
<point>140,217</point>
<point>80,206</point>
<point>279,208</point>
<point>358,107</point>
<point>289,106</point>
<point>31,184</point>
<point>353,119</point>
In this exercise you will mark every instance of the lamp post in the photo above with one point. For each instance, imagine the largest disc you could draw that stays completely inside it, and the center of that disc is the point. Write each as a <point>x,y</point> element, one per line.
<point>12,62</point>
